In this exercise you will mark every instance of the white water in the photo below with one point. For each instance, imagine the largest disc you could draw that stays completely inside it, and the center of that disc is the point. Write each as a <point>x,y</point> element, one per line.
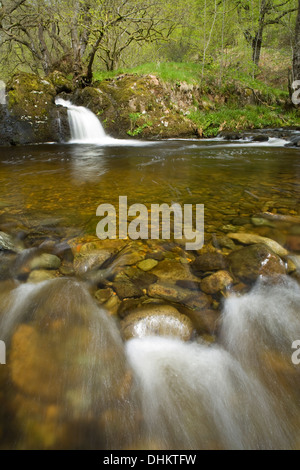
<point>2,93</point>
<point>86,128</point>
<point>200,396</point>
<point>242,393</point>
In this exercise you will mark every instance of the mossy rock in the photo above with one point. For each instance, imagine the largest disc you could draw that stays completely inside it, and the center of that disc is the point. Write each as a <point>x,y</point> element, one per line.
<point>28,95</point>
<point>135,106</point>
<point>31,102</point>
<point>60,82</point>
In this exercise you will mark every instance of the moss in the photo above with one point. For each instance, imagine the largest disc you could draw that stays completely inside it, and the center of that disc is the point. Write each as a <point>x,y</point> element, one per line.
<point>29,95</point>
<point>31,102</point>
<point>60,82</point>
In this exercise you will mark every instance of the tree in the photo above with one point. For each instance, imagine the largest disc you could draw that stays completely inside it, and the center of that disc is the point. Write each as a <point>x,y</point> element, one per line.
<point>68,34</point>
<point>296,54</point>
<point>256,18</point>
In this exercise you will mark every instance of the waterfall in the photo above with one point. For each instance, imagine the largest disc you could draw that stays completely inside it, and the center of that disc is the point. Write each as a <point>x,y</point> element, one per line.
<point>2,93</point>
<point>85,127</point>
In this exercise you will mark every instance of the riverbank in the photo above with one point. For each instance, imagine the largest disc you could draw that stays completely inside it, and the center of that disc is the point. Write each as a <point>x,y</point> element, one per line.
<point>145,106</point>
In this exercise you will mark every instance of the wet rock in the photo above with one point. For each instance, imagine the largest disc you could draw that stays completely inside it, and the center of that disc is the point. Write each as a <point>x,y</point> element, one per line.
<point>173,293</point>
<point>216,282</point>
<point>158,320</point>
<point>260,221</point>
<point>146,97</point>
<point>102,295</point>
<point>253,261</point>
<point>290,266</point>
<point>229,228</point>
<point>7,243</point>
<point>191,285</point>
<point>250,238</point>
<point>112,304</point>
<point>209,262</point>
<point>205,320</point>
<point>44,261</point>
<point>67,270</point>
<point>169,270</point>
<point>293,242</point>
<point>229,135</point>
<point>40,275</point>
<point>33,369</point>
<point>283,218</point>
<point>223,242</point>
<point>140,278</point>
<point>127,306</point>
<point>6,263</point>
<point>147,264</point>
<point>88,260</point>
<point>241,221</point>
<point>156,255</point>
<point>259,138</point>
<point>125,288</point>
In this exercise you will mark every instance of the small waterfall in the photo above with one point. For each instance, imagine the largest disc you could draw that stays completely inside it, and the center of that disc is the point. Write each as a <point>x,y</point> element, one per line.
<point>240,394</point>
<point>85,127</point>
<point>2,93</point>
<point>72,374</point>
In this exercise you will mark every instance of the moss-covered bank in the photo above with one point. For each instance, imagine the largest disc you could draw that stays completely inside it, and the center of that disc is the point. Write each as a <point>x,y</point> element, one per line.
<point>143,106</point>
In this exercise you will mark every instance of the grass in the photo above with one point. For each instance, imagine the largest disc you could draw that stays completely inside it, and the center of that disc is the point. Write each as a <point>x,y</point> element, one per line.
<point>191,73</point>
<point>250,117</point>
<point>232,117</point>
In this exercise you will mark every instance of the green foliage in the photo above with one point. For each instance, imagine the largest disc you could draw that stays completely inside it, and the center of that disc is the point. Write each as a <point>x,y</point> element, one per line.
<point>138,124</point>
<point>250,117</point>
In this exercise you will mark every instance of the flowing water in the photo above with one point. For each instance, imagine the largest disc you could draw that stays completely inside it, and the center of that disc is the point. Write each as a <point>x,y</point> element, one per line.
<point>70,381</point>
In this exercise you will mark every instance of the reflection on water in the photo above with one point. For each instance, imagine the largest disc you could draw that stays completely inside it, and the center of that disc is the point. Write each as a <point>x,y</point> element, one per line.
<point>88,164</point>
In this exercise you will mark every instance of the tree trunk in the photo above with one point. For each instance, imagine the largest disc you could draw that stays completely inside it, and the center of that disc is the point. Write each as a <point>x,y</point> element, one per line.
<point>296,55</point>
<point>256,47</point>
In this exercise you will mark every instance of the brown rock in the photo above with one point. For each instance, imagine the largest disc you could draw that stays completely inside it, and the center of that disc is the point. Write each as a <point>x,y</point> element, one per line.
<point>216,282</point>
<point>159,320</point>
<point>253,261</point>
<point>209,262</point>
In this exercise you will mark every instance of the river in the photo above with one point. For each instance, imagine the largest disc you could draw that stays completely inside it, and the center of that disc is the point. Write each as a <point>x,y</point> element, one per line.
<point>70,380</point>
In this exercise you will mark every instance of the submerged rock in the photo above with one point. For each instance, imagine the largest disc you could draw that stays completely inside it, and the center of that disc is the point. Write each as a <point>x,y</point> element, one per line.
<point>216,282</point>
<point>158,320</point>
<point>253,261</point>
<point>171,271</point>
<point>174,293</point>
<point>147,264</point>
<point>40,275</point>
<point>209,262</point>
<point>250,238</point>
<point>44,261</point>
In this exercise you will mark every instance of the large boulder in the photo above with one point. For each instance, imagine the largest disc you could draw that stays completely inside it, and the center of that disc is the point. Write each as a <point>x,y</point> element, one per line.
<point>33,112</point>
<point>133,106</point>
<point>253,261</point>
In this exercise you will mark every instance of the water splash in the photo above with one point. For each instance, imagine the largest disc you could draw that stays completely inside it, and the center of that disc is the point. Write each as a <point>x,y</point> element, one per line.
<point>242,394</point>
